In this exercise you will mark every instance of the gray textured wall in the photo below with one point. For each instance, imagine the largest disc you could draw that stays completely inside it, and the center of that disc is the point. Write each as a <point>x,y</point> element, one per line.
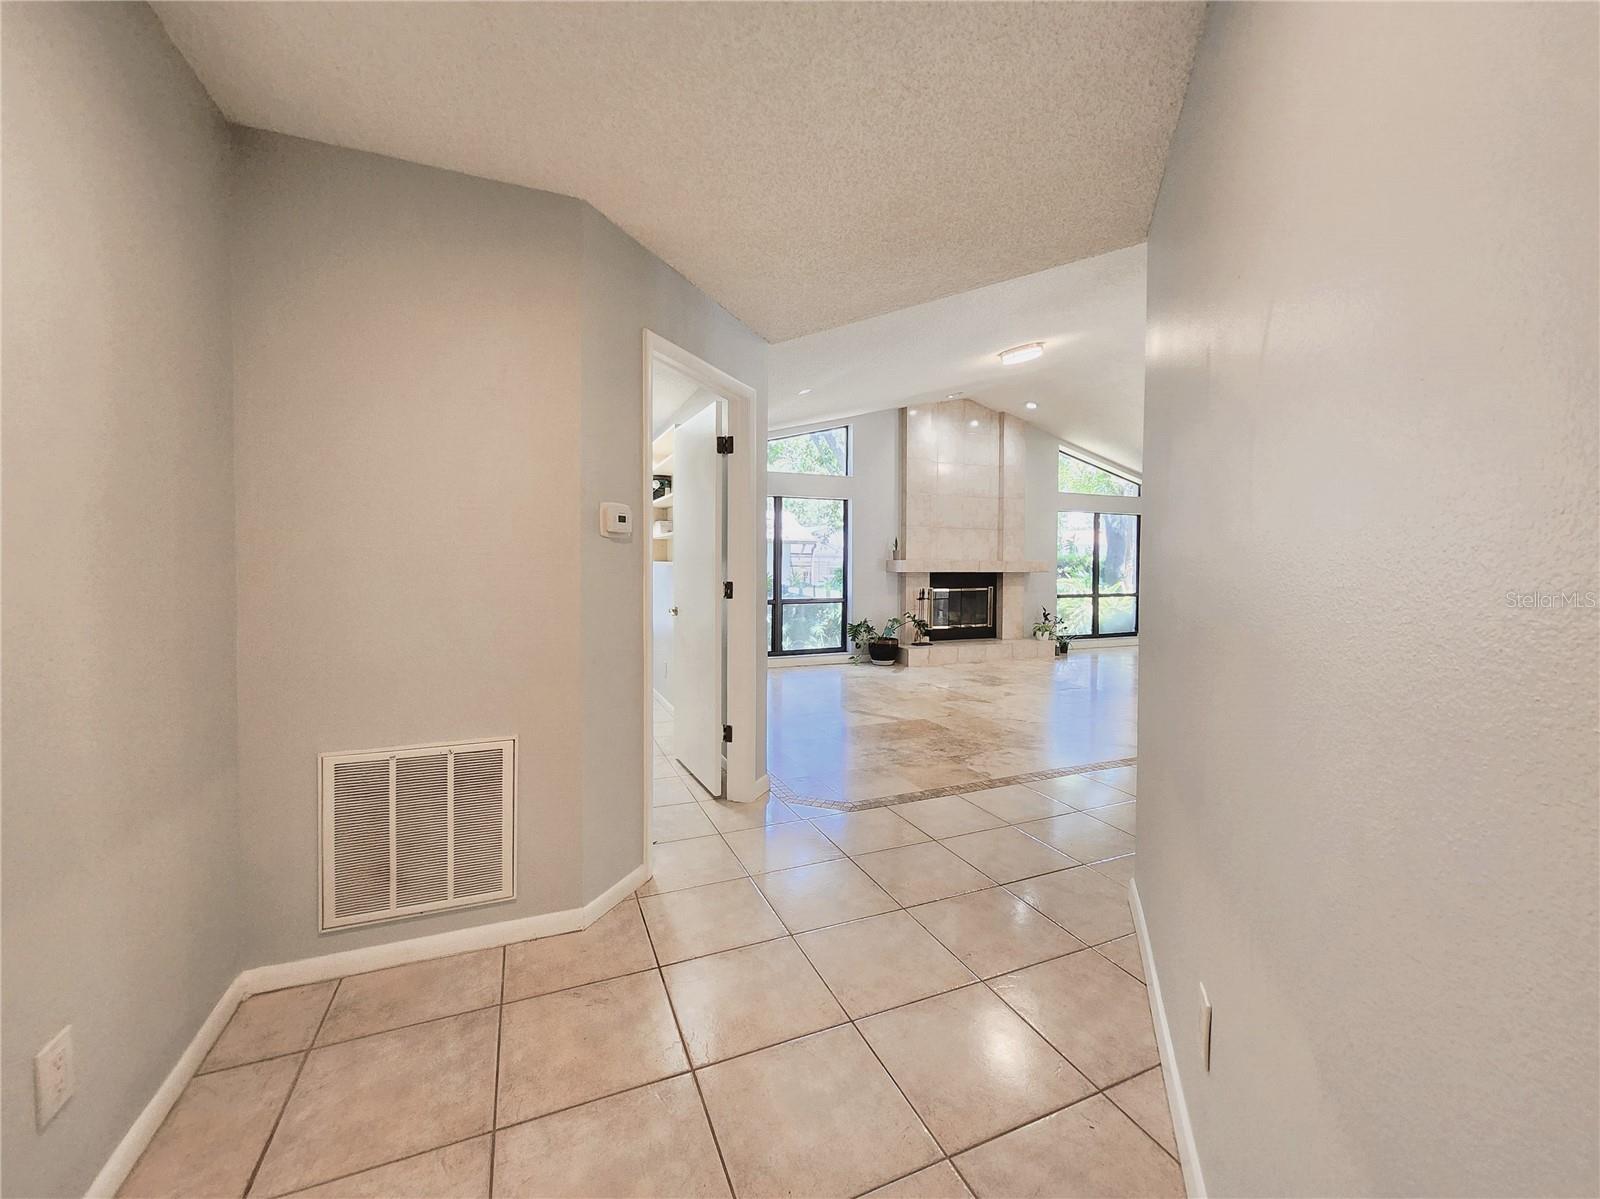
<point>407,393</point>
<point>118,630</point>
<point>626,290</point>
<point>1368,785</point>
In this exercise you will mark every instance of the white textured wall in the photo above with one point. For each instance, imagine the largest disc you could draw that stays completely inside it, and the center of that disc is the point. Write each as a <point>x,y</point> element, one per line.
<point>873,489</point>
<point>1368,785</point>
<point>119,778</point>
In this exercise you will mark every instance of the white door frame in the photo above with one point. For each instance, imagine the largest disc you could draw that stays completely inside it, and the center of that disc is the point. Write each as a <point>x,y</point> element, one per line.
<point>747,755</point>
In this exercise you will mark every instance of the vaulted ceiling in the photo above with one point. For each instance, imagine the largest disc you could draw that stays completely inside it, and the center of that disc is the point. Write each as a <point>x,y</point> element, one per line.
<point>807,165</point>
<point>1086,388</point>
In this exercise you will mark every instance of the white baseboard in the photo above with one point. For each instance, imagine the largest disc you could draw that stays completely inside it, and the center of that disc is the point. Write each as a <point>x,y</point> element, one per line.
<point>123,1158</point>
<point>336,965</point>
<point>438,945</point>
<point>1188,1153</point>
<point>788,662</point>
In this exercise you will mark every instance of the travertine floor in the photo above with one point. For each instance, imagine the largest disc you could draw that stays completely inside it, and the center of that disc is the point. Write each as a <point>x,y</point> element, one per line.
<point>932,999</point>
<point>851,733</point>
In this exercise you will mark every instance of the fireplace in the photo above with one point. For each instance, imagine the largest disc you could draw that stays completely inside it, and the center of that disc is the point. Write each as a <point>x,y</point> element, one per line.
<point>960,605</point>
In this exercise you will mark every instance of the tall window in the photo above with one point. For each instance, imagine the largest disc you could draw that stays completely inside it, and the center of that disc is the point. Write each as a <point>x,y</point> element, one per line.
<point>1097,574</point>
<point>1085,478</point>
<point>825,452</point>
<point>808,569</point>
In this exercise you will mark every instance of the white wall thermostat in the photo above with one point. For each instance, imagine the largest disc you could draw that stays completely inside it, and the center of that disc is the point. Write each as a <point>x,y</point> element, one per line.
<point>616,520</point>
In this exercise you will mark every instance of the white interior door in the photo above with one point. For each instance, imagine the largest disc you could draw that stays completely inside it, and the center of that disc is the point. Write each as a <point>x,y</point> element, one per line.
<point>698,700</point>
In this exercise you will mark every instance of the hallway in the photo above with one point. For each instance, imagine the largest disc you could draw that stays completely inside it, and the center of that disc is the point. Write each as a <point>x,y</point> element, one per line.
<point>432,432</point>
<point>934,999</point>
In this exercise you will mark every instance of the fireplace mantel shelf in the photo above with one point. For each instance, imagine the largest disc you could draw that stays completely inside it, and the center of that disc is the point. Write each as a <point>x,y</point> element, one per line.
<point>913,566</point>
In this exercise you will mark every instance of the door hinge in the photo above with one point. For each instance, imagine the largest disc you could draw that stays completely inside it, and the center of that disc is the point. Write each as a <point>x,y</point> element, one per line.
<point>727,589</point>
<point>725,445</point>
<point>727,733</point>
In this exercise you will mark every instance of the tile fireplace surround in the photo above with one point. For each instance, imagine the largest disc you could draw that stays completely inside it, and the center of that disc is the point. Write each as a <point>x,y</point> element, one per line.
<point>963,510</point>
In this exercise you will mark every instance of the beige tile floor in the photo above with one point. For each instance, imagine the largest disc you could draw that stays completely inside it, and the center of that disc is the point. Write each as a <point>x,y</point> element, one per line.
<point>850,733</point>
<point>933,999</point>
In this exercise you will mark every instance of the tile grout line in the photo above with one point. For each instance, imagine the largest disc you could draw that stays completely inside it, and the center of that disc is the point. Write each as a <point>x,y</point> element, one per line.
<point>855,1026</point>
<point>688,1058</point>
<point>985,982</point>
<point>394,1161</point>
<point>494,1098</point>
<point>942,1158</point>
<point>981,980</point>
<point>692,1070</point>
<point>289,1094</point>
<point>1131,1116</point>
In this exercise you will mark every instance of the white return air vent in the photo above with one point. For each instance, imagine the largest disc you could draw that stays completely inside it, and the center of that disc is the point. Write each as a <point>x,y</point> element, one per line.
<point>417,829</point>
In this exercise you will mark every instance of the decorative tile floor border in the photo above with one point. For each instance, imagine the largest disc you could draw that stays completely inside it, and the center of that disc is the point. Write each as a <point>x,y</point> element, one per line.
<point>782,790</point>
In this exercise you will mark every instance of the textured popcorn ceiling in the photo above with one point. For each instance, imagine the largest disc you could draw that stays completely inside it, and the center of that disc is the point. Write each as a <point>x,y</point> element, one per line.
<point>805,164</point>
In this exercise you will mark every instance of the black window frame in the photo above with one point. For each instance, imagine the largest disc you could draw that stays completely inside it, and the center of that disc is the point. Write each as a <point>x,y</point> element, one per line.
<point>776,602</point>
<point>1137,486</point>
<point>1095,595</point>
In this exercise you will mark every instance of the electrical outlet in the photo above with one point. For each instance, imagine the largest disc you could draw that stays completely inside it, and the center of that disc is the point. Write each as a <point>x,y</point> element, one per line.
<point>1205,1028</point>
<point>52,1077</point>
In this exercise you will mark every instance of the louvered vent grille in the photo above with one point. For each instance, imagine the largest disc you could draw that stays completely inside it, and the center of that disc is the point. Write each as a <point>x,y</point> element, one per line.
<point>416,830</point>
<point>361,848</point>
<point>421,841</point>
<point>477,822</point>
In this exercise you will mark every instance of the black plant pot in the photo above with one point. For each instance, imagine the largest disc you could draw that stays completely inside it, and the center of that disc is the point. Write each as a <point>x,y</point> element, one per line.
<point>883,650</point>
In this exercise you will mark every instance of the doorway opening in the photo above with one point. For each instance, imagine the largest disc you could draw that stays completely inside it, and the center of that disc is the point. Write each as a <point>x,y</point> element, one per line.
<point>688,577</point>
<point>702,628</point>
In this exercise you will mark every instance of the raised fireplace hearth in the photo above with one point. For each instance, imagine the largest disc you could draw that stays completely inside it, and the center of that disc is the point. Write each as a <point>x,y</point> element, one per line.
<point>961,605</point>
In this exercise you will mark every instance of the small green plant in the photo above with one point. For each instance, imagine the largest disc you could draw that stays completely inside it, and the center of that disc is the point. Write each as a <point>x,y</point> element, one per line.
<point>892,626</point>
<point>860,632</point>
<point>1045,626</point>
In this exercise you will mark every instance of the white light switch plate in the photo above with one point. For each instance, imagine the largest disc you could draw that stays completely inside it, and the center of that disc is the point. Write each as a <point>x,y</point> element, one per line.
<point>52,1077</point>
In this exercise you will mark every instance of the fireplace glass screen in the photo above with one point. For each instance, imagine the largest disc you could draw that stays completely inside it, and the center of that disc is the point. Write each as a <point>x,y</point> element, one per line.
<point>961,607</point>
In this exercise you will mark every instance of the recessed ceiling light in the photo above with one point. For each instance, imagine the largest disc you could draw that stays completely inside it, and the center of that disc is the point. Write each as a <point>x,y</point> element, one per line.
<point>1030,405</point>
<point>955,395</point>
<point>911,411</point>
<point>973,423</point>
<point>1018,354</point>
<point>805,391</point>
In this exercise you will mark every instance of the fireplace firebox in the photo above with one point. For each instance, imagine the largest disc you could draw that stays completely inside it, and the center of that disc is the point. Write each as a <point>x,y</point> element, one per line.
<point>960,605</point>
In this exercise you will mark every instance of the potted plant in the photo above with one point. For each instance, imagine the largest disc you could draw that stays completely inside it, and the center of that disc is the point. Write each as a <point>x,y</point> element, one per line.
<point>861,634</point>
<point>884,649</point>
<point>1049,628</point>
<point>1044,628</point>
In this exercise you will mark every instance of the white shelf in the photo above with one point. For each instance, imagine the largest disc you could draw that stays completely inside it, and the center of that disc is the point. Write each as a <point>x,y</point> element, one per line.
<point>664,501</point>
